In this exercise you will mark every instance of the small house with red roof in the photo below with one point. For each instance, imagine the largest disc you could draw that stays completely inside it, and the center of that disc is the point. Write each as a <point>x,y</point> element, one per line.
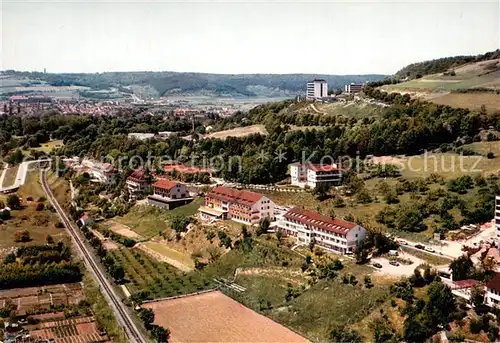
<point>239,205</point>
<point>332,234</point>
<point>137,183</point>
<point>169,194</point>
<point>313,175</point>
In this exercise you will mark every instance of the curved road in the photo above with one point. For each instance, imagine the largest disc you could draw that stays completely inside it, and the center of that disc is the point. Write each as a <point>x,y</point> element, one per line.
<point>121,313</point>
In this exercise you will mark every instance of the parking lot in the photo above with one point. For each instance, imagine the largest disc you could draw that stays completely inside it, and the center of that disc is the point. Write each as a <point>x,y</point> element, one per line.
<point>401,270</point>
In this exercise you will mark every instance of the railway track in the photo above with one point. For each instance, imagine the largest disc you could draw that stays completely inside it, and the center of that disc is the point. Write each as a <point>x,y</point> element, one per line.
<point>122,315</point>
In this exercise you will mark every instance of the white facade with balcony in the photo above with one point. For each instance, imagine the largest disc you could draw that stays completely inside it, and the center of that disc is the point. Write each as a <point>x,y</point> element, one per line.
<point>327,234</point>
<point>312,175</point>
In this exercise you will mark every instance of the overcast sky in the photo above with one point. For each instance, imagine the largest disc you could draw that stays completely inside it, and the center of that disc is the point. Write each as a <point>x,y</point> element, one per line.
<point>242,37</point>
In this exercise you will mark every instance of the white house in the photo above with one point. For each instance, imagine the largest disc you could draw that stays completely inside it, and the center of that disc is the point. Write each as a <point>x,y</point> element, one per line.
<point>169,194</point>
<point>312,175</point>
<point>331,234</point>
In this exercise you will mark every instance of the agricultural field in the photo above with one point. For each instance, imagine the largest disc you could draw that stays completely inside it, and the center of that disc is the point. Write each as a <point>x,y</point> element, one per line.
<point>472,75</point>
<point>473,101</point>
<point>214,317</point>
<point>145,273</point>
<point>81,329</point>
<point>238,132</point>
<point>43,298</point>
<point>149,221</point>
<point>121,229</point>
<point>441,89</point>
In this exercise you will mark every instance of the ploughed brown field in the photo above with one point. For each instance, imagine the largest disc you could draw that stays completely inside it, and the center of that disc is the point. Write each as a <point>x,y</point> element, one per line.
<point>214,317</point>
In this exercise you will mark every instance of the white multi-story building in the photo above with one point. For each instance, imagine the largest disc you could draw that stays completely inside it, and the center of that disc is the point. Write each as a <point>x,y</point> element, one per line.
<point>353,88</point>
<point>497,215</point>
<point>331,234</point>
<point>316,88</point>
<point>169,194</point>
<point>312,175</point>
<point>99,172</point>
<point>492,296</point>
<point>239,205</point>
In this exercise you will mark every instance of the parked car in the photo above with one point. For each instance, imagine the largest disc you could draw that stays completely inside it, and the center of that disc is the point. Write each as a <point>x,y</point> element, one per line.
<point>419,246</point>
<point>394,263</point>
<point>429,249</point>
<point>377,265</point>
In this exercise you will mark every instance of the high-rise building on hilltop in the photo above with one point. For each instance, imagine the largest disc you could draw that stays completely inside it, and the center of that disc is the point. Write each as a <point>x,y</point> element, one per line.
<point>317,88</point>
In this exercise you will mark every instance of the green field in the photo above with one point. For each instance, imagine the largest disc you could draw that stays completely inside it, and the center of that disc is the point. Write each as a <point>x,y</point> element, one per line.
<point>10,176</point>
<point>38,223</point>
<point>149,221</point>
<point>49,146</point>
<point>429,258</point>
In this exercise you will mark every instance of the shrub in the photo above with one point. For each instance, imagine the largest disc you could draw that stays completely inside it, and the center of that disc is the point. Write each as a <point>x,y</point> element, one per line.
<point>22,236</point>
<point>39,206</point>
<point>490,155</point>
<point>5,215</point>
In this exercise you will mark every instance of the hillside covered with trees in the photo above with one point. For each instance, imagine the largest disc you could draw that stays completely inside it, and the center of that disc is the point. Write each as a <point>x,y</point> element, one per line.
<point>166,83</point>
<point>441,65</point>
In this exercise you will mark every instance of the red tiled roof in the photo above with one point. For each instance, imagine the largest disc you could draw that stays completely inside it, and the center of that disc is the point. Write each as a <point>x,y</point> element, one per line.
<point>233,195</point>
<point>165,184</point>
<point>184,169</point>
<point>494,282</point>
<point>464,284</point>
<point>318,220</point>
<point>138,174</point>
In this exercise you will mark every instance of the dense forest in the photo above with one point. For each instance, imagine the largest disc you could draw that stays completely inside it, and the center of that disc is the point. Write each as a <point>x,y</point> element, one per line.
<point>171,82</point>
<point>440,65</point>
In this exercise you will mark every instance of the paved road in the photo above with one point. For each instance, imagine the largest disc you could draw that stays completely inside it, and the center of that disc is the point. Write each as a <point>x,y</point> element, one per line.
<point>20,180</point>
<point>121,312</point>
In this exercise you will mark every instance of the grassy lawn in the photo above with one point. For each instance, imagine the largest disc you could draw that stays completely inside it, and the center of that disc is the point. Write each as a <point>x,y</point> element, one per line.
<point>32,187</point>
<point>49,146</point>
<point>169,253</point>
<point>429,258</point>
<point>60,188</point>
<point>328,304</point>
<point>38,223</point>
<point>10,176</point>
<point>149,221</point>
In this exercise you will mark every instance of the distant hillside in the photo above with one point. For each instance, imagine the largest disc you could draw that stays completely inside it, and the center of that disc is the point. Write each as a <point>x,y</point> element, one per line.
<point>464,81</point>
<point>441,65</point>
<point>172,83</point>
